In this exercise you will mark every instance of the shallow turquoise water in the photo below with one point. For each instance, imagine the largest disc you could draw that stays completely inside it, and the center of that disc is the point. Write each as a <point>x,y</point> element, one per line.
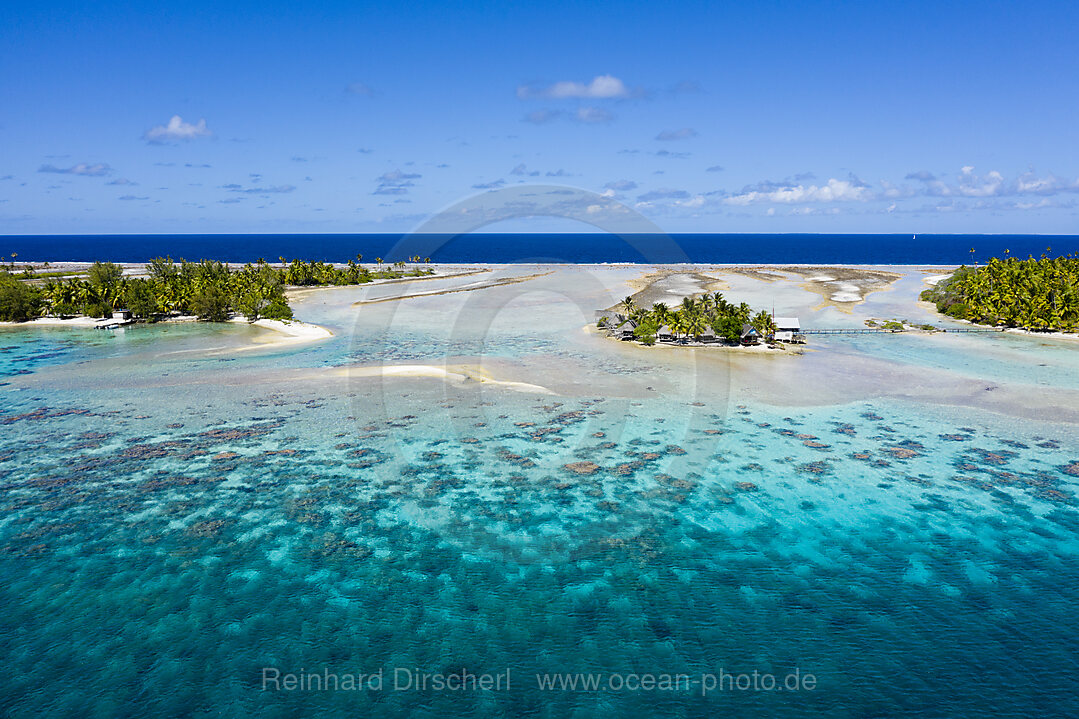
<point>159,548</point>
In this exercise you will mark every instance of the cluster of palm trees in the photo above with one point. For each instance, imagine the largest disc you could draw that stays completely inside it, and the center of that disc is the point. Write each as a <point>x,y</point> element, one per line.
<point>300,273</point>
<point>209,289</point>
<point>695,316</point>
<point>1039,294</point>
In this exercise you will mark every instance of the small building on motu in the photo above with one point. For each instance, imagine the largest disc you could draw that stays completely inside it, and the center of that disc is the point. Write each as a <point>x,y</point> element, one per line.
<point>624,330</point>
<point>121,315</point>
<point>787,324</point>
<point>749,336</point>
<point>664,334</point>
<point>788,329</point>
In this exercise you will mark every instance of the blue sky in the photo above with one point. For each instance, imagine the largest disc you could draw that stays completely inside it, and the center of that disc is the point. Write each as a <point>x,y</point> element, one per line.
<point>712,117</point>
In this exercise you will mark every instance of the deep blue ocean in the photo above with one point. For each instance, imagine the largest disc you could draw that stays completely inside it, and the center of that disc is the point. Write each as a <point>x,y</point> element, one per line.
<point>581,248</point>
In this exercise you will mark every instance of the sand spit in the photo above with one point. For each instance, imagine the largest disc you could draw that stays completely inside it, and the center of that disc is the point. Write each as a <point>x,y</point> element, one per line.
<point>294,292</point>
<point>285,332</point>
<point>842,287</point>
<point>670,287</point>
<point>839,286</point>
<point>934,280</point>
<point>80,322</point>
<point>455,374</point>
<point>483,285</point>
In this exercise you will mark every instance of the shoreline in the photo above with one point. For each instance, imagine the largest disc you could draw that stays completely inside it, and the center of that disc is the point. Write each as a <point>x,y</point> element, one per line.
<point>297,331</point>
<point>284,331</point>
<point>458,374</point>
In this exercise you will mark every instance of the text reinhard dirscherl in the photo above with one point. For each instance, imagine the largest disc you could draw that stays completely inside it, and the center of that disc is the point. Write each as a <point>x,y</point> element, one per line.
<point>401,679</point>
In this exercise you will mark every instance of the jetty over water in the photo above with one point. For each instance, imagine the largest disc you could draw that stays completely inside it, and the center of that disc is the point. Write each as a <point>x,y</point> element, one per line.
<point>881,330</point>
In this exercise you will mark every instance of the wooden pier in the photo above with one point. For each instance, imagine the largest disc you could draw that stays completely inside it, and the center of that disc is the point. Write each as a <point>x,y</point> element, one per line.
<point>881,330</point>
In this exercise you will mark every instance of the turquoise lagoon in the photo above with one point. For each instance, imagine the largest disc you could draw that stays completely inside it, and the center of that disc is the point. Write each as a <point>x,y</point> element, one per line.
<point>894,515</point>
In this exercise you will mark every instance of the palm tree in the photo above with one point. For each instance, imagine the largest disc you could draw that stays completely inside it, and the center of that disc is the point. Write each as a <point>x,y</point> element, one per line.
<point>661,313</point>
<point>764,324</point>
<point>679,323</point>
<point>1033,293</point>
<point>695,324</point>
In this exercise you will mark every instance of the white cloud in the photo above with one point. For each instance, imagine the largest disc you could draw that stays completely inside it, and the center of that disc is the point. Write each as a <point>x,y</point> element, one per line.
<point>833,191</point>
<point>593,115</point>
<point>522,170</point>
<point>396,176</point>
<point>359,88</point>
<point>663,193</point>
<point>269,189</point>
<point>176,129</point>
<point>541,117</point>
<point>895,192</point>
<point>993,184</point>
<point>602,87</point>
<point>95,170</point>
<point>683,134</point>
<point>692,203</point>
<point>275,189</point>
<point>395,182</point>
<point>970,185</point>
<point>1029,184</point>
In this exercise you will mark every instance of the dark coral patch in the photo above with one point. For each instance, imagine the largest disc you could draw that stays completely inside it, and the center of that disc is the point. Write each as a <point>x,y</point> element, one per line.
<point>520,461</point>
<point>1015,444</point>
<point>207,529</point>
<point>987,457</point>
<point>904,450</point>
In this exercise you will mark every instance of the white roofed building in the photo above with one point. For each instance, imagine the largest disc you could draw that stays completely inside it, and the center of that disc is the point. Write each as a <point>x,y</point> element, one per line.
<point>787,324</point>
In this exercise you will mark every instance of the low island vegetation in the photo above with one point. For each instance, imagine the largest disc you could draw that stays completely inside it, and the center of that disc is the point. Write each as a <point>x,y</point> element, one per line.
<point>1034,294</point>
<point>709,318</point>
<point>208,289</point>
